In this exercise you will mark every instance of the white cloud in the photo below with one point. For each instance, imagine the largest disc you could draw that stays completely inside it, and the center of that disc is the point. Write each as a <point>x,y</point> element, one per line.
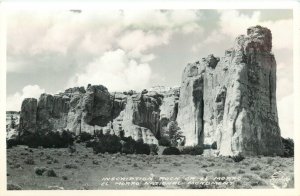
<point>136,42</point>
<point>13,102</point>
<point>286,116</point>
<point>234,23</point>
<point>284,80</point>
<point>210,41</point>
<point>145,19</point>
<point>175,20</point>
<point>147,58</point>
<point>65,34</point>
<point>282,33</point>
<point>115,70</point>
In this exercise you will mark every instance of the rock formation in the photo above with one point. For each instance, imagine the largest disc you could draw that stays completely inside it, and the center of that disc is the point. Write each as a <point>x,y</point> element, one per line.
<point>95,109</point>
<point>12,123</point>
<point>232,100</point>
<point>229,100</point>
<point>28,115</point>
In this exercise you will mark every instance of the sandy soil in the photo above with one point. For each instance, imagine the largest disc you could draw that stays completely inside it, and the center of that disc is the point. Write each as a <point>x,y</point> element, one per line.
<point>85,170</point>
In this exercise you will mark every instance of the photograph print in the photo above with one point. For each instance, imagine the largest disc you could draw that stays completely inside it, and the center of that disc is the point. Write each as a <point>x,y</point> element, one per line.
<point>149,99</point>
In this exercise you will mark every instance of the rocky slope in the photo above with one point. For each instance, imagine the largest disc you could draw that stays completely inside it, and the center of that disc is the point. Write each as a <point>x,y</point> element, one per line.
<point>229,100</point>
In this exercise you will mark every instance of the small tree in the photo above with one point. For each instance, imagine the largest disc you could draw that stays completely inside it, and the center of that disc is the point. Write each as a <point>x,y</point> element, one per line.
<point>12,122</point>
<point>174,133</point>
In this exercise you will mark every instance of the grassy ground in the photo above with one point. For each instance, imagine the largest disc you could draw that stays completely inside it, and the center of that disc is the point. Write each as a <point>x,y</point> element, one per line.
<point>85,170</point>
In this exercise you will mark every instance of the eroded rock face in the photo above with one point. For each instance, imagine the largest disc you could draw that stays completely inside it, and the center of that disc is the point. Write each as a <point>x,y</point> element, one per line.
<point>79,110</point>
<point>96,106</point>
<point>28,115</point>
<point>230,101</point>
<point>168,109</point>
<point>239,98</point>
<point>12,123</point>
<point>141,116</point>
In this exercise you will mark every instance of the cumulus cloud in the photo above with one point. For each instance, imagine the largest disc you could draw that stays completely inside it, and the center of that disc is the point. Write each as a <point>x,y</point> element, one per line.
<point>286,114</point>
<point>233,23</point>
<point>115,70</point>
<point>174,20</point>
<point>138,41</point>
<point>13,102</point>
<point>65,34</point>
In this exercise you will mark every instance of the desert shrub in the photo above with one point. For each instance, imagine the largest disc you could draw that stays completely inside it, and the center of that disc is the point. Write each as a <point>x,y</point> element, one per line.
<point>11,186</point>
<point>220,173</point>
<point>90,143</point>
<point>49,139</point>
<point>113,144</point>
<point>165,170</point>
<point>240,171</point>
<point>95,162</point>
<point>99,148</point>
<point>67,137</point>
<point>65,177</point>
<point>270,160</point>
<point>98,133</point>
<point>192,150</point>
<point>288,147</point>
<point>59,140</point>
<point>33,140</point>
<point>50,173</point>
<point>153,149</point>
<point>171,151</point>
<point>164,141</point>
<point>253,180</point>
<point>29,161</point>
<point>176,164</point>
<point>108,143</point>
<point>255,167</point>
<point>71,149</point>
<point>12,142</point>
<point>238,158</point>
<point>49,162</point>
<point>85,136</point>
<point>39,170</point>
<point>70,166</point>
<point>214,146</point>
<point>135,165</point>
<point>128,146</point>
<point>141,148</point>
<point>265,175</point>
<point>241,185</point>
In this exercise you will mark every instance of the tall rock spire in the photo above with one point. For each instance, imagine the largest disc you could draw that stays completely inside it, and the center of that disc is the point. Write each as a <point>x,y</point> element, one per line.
<point>232,100</point>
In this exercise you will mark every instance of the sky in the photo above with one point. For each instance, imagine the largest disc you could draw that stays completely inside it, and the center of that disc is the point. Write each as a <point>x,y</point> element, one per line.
<point>49,51</point>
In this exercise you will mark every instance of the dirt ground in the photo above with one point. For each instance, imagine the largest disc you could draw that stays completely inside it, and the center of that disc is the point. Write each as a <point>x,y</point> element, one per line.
<point>85,170</point>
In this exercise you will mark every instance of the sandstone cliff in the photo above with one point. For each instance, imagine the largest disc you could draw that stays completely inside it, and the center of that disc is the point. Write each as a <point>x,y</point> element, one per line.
<point>95,109</point>
<point>230,101</point>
